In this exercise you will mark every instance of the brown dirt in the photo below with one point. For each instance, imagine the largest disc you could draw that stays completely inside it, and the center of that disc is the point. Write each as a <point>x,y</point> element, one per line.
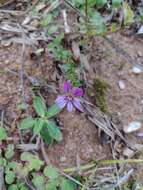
<point>80,136</point>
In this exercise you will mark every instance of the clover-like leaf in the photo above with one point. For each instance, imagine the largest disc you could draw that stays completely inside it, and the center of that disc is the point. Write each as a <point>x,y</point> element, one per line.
<point>54,131</point>
<point>51,172</point>
<point>100,3</point>
<point>116,3</point>
<point>9,151</point>
<point>67,184</point>
<point>46,136</point>
<point>13,187</point>
<point>27,123</point>
<point>38,126</point>
<point>53,110</point>
<point>38,181</point>
<point>10,177</point>
<point>39,106</point>
<point>51,185</point>
<point>33,162</point>
<point>3,134</point>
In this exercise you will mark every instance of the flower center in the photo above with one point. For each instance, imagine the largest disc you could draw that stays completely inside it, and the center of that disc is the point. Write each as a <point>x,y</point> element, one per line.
<point>69,95</point>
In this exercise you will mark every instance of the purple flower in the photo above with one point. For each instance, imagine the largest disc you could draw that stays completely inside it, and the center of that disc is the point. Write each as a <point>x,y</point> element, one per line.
<point>70,99</point>
<point>140,134</point>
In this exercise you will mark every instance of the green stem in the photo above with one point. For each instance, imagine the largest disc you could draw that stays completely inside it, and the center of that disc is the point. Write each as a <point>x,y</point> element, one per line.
<point>103,162</point>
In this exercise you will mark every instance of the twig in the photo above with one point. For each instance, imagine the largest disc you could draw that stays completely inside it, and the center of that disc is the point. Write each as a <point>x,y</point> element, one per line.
<point>29,184</point>
<point>53,6</point>
<point>16,13</point>
<point>66,26</point>
<point>7,3</point>
<point>124,179</point>
<point>22,71</point>
<point>44,153</point>
<point>74,8</point>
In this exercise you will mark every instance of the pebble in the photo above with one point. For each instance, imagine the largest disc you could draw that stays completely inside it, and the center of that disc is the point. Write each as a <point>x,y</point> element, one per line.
<point>63,159</point>
<point>140,31</point>
<point>133,126</point>
<point>121,84</point>
<point>5,43</point>
<point>140,54</point>
<point>128,152</point>
<point>137,69</point>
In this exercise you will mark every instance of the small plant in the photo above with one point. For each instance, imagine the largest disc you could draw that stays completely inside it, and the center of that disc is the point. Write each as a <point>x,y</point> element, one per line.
<point>42,177</point>
<point>8,167</point>
<point>43,123</point>
<point>70,98</point>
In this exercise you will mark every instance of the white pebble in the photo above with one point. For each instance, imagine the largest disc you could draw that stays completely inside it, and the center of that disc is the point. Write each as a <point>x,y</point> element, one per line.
<point>121,84</point>
<point>133,126</point>
<point>137,69</point>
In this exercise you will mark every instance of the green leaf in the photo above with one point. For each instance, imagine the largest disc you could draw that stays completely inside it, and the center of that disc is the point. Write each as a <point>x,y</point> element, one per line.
<point>2,162</point>
<point>46,20</point>
<point>100,3</point>
<point>116,3</point>
<point>98,23</point>
<point>52,29</point>
<point>13,187</point>
<point>10,166</point>
<point>9,151</point>
<point>67,184</point>
<point>10,177</point>
<point>53,110</point>
<point>27,123</point>
<point>54,131</point>
<point>3,134</point>
<point>39,106</point>
<point>38,126</point>
<point>38,181</point>
<point>46,136</point>
<point>52,185</point>
<point>128,14</point>
<point>33,162</point>
<point>51,172</point>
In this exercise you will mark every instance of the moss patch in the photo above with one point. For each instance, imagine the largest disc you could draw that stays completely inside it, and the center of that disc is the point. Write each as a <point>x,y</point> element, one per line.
<point>100,87</point>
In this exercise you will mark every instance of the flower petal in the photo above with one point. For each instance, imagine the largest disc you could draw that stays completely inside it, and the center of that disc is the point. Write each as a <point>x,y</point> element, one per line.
<point>140,134</point>
<point>78,104</point>
<point>77,91</point>
<point>69,106</point>
<point>61,101</point>
<point>67,86</point>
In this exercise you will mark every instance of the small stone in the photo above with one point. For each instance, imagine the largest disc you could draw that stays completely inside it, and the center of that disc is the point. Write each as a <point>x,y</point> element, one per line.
<point>6,43</point>
<point>140,54</point>
<point>128,152</point>
<point>121,84</point>
<point>137,69</point>
<point>140,31</point>
<point>26,20</point>
<point>63,159</point>
<point>133,126</point>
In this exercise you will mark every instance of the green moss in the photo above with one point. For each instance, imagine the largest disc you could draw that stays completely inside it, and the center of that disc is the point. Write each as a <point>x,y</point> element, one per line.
<point>100,87</point>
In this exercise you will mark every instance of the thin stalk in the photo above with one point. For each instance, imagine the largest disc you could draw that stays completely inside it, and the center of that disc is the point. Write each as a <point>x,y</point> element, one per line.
<point>86,10</point>
<point>103,162</point>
